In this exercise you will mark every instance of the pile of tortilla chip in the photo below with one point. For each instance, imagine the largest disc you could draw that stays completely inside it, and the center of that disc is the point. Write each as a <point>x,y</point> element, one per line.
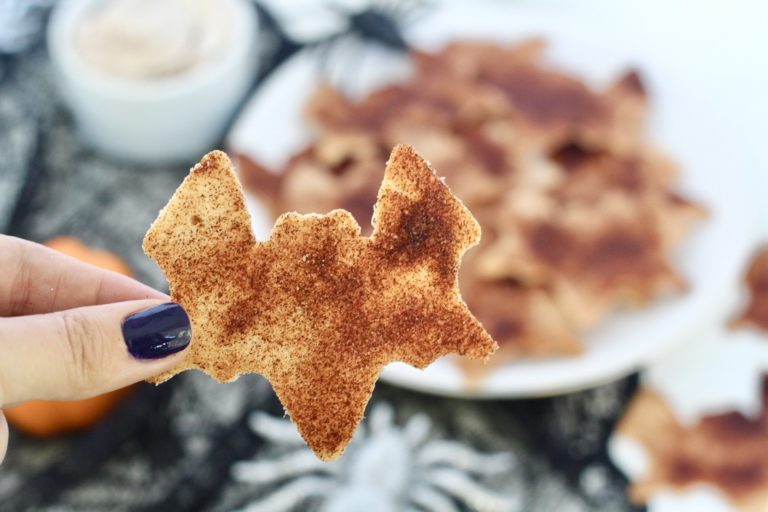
<point>579,211</point>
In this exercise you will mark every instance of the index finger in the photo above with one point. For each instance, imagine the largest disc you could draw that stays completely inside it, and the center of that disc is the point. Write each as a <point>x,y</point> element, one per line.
<point>35,279</point>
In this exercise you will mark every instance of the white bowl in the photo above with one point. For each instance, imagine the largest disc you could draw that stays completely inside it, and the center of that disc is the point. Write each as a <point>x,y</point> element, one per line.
<point>154,120</point>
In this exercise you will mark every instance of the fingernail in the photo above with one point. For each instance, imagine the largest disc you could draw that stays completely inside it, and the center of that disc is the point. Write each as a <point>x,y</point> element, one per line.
<point>157,332</point>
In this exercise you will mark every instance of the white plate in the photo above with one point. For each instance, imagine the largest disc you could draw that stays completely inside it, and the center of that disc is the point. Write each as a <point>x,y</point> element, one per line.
<point>271,128</point>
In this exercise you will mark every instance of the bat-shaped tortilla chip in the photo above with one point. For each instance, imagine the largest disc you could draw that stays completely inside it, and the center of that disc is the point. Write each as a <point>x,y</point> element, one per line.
<point>319,309</point>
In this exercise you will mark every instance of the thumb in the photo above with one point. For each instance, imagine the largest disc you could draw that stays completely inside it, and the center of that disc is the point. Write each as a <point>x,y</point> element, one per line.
<point>83,352</point>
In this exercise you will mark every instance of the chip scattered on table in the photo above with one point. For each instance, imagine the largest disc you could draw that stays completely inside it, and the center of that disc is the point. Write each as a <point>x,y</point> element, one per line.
<point>728,451</point>
<point>318,308</point>
<point>755,314</point>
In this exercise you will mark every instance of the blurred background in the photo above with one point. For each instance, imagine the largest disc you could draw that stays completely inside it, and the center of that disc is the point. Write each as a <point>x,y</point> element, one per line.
<point>613,153</point>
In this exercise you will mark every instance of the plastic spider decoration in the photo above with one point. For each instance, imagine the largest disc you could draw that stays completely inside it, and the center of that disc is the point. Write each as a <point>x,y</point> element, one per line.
<point>385,469</point>
<point>379,22</point>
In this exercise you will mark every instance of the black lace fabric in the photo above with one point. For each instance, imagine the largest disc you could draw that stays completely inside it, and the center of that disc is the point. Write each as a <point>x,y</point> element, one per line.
<point>173,447</point>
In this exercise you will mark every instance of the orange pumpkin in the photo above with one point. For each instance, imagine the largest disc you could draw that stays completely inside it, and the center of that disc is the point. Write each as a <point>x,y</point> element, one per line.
<point>73,247</point>
<point>49,418</point>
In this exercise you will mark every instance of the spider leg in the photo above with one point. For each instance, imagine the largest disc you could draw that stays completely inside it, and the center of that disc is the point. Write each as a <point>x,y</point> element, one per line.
<point>275,430</point>
<point>406,10</point>
<point>381,418</point>
<point>459,456</point>
<point>417,428</point>
<point>430,499</point>
<point>389,7</point>
<point>293,464</point>
<point>466,490</point>
<point>291,494</point>
<point>374,23</point>
<point>397,9</point>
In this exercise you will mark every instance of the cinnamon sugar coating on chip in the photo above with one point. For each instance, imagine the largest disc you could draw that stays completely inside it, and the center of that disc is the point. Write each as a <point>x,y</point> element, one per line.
<point>319,309</point>
<point>523,320</point>
<point>756,313</point>
<point>590,256</point>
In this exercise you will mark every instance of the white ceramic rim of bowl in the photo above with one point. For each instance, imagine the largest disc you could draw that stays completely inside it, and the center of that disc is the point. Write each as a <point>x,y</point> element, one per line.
<point>65,57</point>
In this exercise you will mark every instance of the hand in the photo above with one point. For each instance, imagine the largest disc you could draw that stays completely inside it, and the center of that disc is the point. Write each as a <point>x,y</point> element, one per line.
<point>69,330</point>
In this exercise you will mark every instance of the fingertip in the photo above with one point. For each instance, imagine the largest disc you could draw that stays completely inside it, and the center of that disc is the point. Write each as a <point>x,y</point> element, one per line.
<point>159,371</point>
<point>158,331</point>
<point>83,352</point>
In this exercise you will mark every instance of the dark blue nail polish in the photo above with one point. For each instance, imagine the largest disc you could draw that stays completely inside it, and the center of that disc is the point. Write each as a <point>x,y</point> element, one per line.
<point>157,332</point>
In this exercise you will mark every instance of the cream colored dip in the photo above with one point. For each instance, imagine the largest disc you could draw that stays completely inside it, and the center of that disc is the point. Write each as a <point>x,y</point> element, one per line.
<point>149,39</point>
